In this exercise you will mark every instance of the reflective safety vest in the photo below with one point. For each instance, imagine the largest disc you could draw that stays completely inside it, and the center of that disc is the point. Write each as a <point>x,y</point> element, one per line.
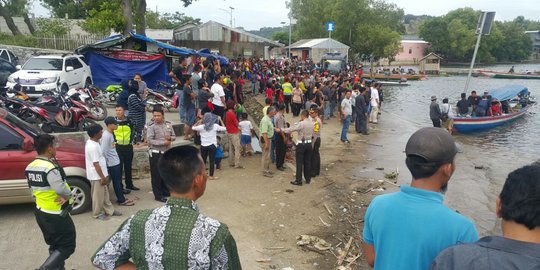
<point>122,135</point>
<point>287,88</point>
<point>36,174</point>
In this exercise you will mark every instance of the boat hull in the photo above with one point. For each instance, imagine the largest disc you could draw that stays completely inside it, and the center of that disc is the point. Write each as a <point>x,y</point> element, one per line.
<point>475,124</point>
<point>396,77</point>
<point>504,75</point>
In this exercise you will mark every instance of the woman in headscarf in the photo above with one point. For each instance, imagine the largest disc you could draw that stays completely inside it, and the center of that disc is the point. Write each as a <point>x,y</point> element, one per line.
<point>208,129</point>
<point>137,109</point>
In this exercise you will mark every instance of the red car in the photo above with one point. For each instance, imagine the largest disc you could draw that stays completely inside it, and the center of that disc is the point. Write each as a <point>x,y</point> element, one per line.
<point>17,151</point>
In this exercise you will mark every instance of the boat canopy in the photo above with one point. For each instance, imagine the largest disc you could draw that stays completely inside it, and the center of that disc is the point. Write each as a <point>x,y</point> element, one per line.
<point>508,92</point>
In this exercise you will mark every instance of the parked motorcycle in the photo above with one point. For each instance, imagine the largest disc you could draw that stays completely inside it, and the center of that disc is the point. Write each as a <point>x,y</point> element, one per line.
<point>166,97</point>
<point>68,116</point>
<point>113,92</point>
<point>88,97</point>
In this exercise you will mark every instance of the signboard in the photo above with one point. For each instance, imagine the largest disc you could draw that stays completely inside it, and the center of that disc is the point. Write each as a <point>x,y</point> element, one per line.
<point>487,19</point>
<point>132,55</point>
<point>330,26</point>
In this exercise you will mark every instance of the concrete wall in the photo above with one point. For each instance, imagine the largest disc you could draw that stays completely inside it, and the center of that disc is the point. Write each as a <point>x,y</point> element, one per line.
<point>231,50</point>
<point>24,53</point>
<point>73,26</point>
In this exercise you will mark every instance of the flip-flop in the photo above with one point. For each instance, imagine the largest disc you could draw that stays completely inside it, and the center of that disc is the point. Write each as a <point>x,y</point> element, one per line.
<point>127,203</point>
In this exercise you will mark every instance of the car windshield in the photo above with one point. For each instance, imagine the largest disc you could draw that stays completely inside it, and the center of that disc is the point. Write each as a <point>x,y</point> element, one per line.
<point>332,64</point>
<point>30,129</point>
<point>43,64</point>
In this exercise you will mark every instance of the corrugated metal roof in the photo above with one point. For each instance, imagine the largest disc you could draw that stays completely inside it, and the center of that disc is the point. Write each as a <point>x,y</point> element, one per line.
<point>319,43</point>
<point>214,31</point>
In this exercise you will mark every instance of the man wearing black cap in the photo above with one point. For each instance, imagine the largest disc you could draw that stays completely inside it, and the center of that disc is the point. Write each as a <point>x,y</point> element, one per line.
<point>435,112</point>
<point>108,147</point>
<point>407,229</point>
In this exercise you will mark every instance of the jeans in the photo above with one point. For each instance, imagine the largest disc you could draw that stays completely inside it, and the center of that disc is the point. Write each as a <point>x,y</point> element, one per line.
<point>333,105</point>
<point>181,107</point>
<point>288,99</point>
<point>115,173</point>
<point>346,123</point>
<point>125,153</point>
<point>327,110</point>
<point>210,152</point>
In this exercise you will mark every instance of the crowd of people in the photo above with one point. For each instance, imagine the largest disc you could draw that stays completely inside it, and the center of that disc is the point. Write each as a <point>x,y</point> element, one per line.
<point>211,98</point>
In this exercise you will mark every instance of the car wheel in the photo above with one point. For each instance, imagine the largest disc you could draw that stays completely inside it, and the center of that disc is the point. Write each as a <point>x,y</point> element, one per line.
<point>64,88</point>
<point>82,197</point>
<point>87,83</point>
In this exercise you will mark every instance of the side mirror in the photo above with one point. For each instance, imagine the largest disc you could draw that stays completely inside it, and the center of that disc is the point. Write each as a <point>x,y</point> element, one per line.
<point>69,68</point>
<point>28,145</point>
<point>18,67</point>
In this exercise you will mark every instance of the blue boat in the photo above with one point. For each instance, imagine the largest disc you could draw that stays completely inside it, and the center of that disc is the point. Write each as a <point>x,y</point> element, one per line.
<point>473,124</point>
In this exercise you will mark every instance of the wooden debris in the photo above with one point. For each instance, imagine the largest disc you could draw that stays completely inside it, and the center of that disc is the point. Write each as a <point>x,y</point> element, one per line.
<point>328,209</point>
<point>324,223</point>
<point>263,260</point>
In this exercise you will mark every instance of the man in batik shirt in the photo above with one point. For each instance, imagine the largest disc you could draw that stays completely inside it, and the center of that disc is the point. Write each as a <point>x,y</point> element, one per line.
<point>176,235</point>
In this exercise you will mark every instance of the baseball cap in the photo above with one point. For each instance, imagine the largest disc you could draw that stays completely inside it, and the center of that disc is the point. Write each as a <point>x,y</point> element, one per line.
<point>110,120</point>
<point>435,145</point>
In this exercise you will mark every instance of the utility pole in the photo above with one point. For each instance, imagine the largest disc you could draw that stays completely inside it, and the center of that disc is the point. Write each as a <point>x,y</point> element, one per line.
<point>290,34</point>
<point>231,16</point>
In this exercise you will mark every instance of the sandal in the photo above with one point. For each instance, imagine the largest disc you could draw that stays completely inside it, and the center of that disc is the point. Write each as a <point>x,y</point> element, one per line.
<point>127,203</point>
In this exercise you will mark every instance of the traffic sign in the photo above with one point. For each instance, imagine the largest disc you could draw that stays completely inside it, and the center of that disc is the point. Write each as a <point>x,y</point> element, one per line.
<point>330,26</point>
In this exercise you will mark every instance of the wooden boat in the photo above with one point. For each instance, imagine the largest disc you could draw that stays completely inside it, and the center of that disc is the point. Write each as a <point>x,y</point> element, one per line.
<point>473,124</point>
<point>395,77</point>
<point>389,83</point>
<point>506,75</point>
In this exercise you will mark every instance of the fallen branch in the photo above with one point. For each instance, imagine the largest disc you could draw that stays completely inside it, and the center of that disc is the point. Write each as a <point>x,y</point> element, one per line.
<point>327,209</point>
<point>325,224</point>
<point>313,249</point>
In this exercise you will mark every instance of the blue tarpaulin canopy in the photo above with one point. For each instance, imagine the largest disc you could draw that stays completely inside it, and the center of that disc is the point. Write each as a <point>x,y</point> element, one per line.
<point>508,92</point>
<point>206,53</point>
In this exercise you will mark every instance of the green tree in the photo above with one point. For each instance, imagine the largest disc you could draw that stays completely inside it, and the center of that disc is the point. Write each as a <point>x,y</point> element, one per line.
<point>10,8</point>
<point>281,37</point>
<point>156,20</point>
<point>52,27</point>
<point>357,23</point>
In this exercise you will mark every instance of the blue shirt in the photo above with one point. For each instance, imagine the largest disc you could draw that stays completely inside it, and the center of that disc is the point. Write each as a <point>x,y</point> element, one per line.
<point>408,229</point>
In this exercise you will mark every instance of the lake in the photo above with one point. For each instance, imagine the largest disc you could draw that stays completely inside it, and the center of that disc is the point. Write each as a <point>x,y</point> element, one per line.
<point>499,151</point>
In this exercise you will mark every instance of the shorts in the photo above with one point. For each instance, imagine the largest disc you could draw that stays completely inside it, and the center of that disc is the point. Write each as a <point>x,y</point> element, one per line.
<point>190,115</point>
<point>245,140</point>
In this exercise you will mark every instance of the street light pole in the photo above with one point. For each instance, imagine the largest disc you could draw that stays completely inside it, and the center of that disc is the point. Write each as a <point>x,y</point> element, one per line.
<point>290,34</point>
<point>231,16</point>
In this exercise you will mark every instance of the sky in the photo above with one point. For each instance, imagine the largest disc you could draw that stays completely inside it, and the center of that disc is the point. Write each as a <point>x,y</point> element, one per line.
<point>254,14</point>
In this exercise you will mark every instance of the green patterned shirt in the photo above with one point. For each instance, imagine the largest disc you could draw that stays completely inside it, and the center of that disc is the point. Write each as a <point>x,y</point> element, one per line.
<point>174,236</point>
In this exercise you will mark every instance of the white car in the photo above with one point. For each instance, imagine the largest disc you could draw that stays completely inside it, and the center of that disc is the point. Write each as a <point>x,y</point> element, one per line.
<point>41,73</point>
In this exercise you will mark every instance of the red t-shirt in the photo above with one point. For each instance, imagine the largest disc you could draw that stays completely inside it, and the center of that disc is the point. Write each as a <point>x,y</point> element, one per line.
<point>269,93</point>
<point>231,122</point>
<point>496,110</point>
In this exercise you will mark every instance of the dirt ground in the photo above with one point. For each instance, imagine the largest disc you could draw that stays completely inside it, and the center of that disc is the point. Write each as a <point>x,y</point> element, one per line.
<point>265,215</point>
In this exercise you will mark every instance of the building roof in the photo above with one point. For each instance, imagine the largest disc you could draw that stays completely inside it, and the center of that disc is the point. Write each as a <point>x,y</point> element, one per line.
<point>431,54</point>
<point>319,43</point>
<point>209,24</point>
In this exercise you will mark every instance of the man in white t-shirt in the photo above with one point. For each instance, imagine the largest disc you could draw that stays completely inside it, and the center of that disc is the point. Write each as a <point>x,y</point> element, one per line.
<point>374,101</point>
<point>219,96</point>
<point>96,173</point>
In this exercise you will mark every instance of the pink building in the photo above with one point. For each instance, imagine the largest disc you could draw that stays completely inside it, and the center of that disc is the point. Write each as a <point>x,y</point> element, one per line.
<point>411,51</point>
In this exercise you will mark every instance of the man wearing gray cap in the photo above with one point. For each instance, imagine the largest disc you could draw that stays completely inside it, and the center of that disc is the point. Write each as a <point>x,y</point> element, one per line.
<point>435,112</point>
<point>408,229</point>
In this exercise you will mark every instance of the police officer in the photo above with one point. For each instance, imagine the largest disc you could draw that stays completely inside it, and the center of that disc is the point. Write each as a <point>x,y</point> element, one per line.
<point>123,136</point>
<point>53,202</point>
<point>160,135</point>
<point>303,147</point>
